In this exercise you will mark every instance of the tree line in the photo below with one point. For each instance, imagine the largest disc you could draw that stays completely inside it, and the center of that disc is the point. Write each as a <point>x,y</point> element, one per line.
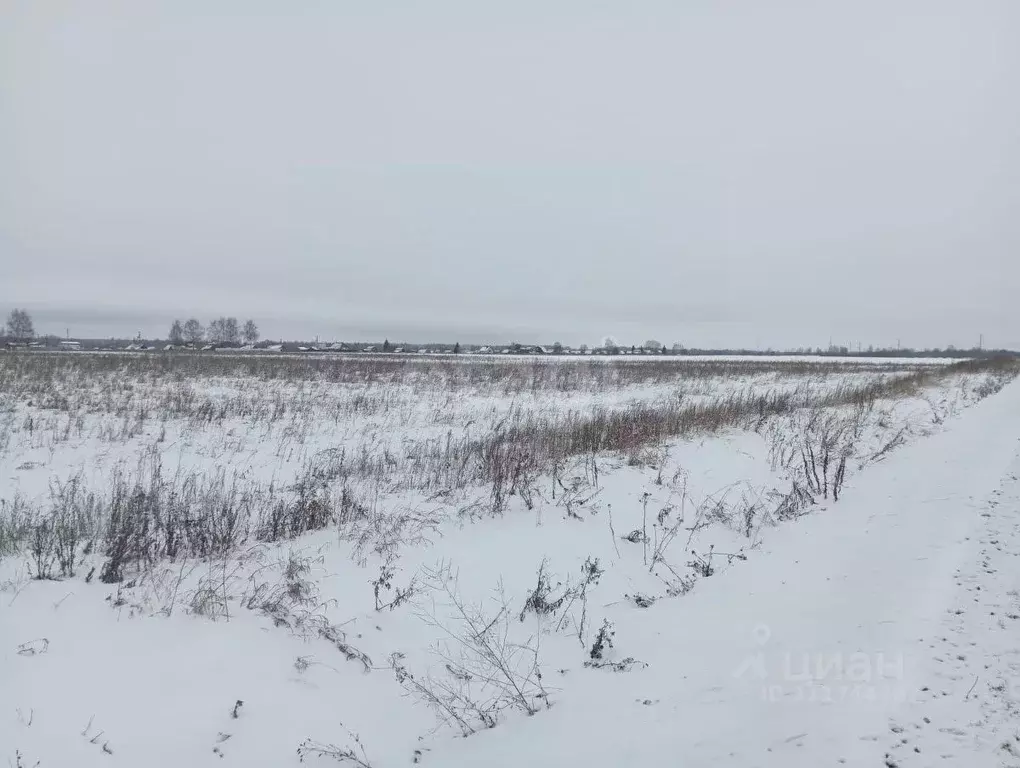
<point>19,326</point>
<point>222,330</point>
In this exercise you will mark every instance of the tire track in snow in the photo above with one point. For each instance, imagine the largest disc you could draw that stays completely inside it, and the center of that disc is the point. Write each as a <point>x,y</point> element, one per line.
<point>967,712</point>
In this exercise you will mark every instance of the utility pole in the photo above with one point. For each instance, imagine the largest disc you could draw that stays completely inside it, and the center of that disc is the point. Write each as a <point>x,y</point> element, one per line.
<point>981,341</point>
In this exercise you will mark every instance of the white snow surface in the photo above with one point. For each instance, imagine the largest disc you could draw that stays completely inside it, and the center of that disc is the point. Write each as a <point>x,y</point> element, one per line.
<point>882,630</point>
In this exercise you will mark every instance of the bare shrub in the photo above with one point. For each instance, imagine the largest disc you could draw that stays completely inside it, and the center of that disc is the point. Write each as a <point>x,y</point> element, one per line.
<point>384,533</point>
<point>309,506</point>
<point>352,755</point>
<point>76,521</point>
<point>293,601</point>
<point>623,665</point>
<point>603,641</point>
<point>541,600</point>
<point>451,702</point>
<point>815,446</point>
<point>487,673</point>
<point>752,513</point>
<point>43,548</point>
<point>211,597</point>
<point>15,524</point>
<point>384,583</point>
<point>279,599</point>
<point>993,383</point>
<point>668,520</point>
<point>702,563</point>
<point>894,442</point>
<point>591,574</point>
<point>336,637</point>
<point>575,495</point>
<point>66,533</point>
<point>209,601</point>
<point>791,505</point>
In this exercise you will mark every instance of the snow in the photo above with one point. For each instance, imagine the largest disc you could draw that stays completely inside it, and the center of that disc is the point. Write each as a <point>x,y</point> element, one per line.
<point>747,672</point>
<point>836,641</point>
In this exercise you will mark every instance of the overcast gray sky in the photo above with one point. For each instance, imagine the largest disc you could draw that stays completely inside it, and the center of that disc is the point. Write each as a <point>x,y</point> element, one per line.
<point>716,173</point>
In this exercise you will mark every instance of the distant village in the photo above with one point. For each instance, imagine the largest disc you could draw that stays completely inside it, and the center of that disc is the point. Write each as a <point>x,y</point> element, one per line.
<point>226,335</point>
<point>139,345</point>
<point>54,344</point>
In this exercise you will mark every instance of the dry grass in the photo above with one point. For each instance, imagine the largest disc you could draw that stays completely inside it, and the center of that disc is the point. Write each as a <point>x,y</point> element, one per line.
<point>149,515</point>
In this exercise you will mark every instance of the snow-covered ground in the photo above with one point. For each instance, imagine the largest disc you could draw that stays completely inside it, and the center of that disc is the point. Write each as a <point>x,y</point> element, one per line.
<point>700,599</point>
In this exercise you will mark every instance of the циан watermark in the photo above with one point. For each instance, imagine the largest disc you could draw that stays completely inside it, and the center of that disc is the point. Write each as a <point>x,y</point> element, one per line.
<point>822,676</point>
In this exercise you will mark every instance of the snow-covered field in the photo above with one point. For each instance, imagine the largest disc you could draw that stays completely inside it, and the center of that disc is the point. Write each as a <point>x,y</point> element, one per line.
<point>569,562</point>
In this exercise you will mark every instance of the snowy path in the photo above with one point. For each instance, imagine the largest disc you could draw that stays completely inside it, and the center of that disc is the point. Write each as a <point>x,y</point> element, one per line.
<point>833,645</point>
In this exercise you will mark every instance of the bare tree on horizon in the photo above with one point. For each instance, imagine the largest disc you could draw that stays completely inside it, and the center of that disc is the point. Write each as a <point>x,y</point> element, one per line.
<point>216,331</point>
<point>19,325</point>
<point>193,331</point>
<point>231,330</point>
<point>250,333</point>
<point>176,333</point>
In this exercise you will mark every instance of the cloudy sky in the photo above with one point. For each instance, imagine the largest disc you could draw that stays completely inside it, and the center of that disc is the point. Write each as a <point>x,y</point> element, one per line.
<point>717,173</point>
